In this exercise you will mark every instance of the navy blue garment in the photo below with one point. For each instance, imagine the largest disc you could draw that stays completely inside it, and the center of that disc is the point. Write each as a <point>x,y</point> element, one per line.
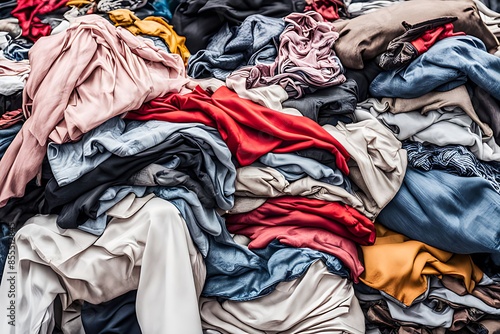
<point>446,65</point>
<point>5,241</point>
<point>235,46</point>
<point>455,159</point>
<point>116,316</point>
<point>7,136</point>
<point>454,213</point>
<point>17,49</point>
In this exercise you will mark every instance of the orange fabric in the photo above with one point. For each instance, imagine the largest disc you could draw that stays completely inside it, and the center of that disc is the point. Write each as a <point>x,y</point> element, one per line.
<point>398,266</point>
<point>152,26</point>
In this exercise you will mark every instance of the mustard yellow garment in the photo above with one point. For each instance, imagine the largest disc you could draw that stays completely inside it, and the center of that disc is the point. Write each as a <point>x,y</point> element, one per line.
<point>398,266</point>
<point>152,26</point>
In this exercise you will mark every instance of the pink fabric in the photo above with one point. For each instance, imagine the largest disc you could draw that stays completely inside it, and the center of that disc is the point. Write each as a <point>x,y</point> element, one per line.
<point>305,237</point>
<point>79,79</point>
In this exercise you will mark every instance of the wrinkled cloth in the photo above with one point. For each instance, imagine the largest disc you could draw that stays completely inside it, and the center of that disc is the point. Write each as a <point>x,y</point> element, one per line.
<point>306,60</point>
<point>399,266</point>
<point>111,63</point>
<point>327,305</point>
<point>248,135</point>
<point>10,118</point>
<point>328,105</point>
<point>153,26</point>
<point>330,10</point>
<point>454,159</point>
<point>6,237</point>
<point>334,217</point>
<point>17,49</point>
<point>28,12</point>
<point>455,213</point>
<point>378,162</point>
<point>232,47</point>
<point>10,109</point>
<point>358,8</point>
<point>488,110</point>
<point>13,75</point>
<point>198,20</point>
<point>105,6</point>
<point>7,135</point>
<point>365,37</point>
<point>448,64</point>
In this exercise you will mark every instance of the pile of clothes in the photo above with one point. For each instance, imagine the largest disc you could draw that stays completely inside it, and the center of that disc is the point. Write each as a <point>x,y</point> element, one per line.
<point>292,166</point>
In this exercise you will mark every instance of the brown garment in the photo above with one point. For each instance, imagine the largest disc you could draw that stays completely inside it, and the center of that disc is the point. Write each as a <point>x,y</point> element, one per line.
<point>399,266</point>
<point>367,36</point>
<point>489,294</point>
<point>457,97</point>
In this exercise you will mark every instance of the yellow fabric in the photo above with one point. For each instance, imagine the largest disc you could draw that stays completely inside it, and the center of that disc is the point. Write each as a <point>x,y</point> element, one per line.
<point>398,266</point>
<point>152,26</point>
<point>78,3</point>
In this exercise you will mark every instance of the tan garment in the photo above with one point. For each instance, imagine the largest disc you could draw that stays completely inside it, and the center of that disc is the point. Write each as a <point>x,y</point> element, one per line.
<point>265,182</point>
<point>378,162</point>
<point>457,97</point>
<point>149,250</point>
<point>367,36</point>
<point>318,302</point>
<point>399,266</point>
<point>152,26</point>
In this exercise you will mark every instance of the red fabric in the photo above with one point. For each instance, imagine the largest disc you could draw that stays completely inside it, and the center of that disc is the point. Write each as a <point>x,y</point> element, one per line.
<point>430,37</point>
<point>329,9</point>
<point>28,13</point>
<point>250,130</point>
<point>304,237</point>
<point>334,217</point>
<point>10,118</point>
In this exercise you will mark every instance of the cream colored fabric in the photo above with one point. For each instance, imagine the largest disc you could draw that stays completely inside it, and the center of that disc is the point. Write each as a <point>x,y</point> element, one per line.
<point>378,162</point>
<point>149,250</point>
<point>264,182</point>
<point>318,302</point>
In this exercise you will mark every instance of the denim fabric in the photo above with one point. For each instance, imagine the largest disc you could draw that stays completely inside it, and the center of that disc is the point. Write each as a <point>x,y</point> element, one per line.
<point>7,136</point>
<point>158,42</point>
<point>453,159</point>
<point>5,240</point>
<point>236,46</point>
<point>108,199</point>
<point>114,316</point>
<point>117,137</point>
<point>454,213</point>
<point>446,65</point>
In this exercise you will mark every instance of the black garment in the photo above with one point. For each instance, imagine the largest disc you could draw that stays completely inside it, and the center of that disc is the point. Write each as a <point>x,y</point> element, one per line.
<point>116,316</point>
<point>488,110</point>
<point>364,77</point>
<point>198,20</point>
<point>6,8</point>
<point>11,102</point>
<point>328,105</point>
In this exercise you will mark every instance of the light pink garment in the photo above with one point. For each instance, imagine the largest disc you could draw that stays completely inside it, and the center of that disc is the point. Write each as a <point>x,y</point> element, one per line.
<point>79,79</point>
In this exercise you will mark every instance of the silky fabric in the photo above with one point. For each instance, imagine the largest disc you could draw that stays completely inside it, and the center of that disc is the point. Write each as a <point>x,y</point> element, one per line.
<point>451,212</point>
<point>260,183</point>
<point>111,61</point>
<point>398,266</point>
<point>328,306</point>
<point>28,13</point>
<point>328,105</point>
<point>304,237</point>
<point>259,131</point>
<point>198,20</point>
<point>454,159</point>
<point>448,64</point>
<point>153,26</point>
<point>329,9</point>
<point>332,216</point>
<point>487,293</point>
<point>365,37</point>
<point>457,97</point>
<point>232,47</point>
<point>148,250</point>
<point>378,162</point>
<point>300,70</point>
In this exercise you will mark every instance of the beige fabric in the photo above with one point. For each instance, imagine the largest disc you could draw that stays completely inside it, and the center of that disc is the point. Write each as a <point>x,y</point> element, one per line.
<point>378,162</point>
<point>318,302</point>
<point>457,97</point>
<point>367,36</point>
<point>150,251</point>
<point>254,183</point>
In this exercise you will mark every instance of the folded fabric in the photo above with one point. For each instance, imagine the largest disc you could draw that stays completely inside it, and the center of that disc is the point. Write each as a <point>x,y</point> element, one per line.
<point>334,217</point>
<point>306,60</point>
<point>153,26</point>
<point>105,6</point>
<point>17,49</point>
<point>248,135</point>
<point>111,61</point>
<point>330,10</point>
<point>488,110</point>
<point>232,47</point>
<point>7,135</point>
